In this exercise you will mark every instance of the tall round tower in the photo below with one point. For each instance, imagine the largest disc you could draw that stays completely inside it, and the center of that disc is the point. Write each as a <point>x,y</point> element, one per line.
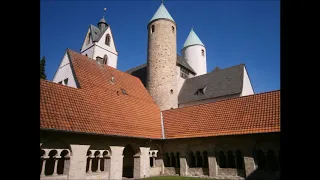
<point>194,52</point>
<point>162,57</point>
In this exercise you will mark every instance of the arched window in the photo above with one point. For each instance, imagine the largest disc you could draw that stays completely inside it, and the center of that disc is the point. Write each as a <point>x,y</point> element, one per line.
<point>239,158</point>
<point>172,29</point>
<point>178,159</point>
<point>167,160</point>
<point>87,55</point>
<point>105,59</point>
<point>202,52</point>
<point>173,160</point>
<point>192,160</point>
<point>272,160</point>
<point>89,37</point>
<point>222,160</point>
<point>261,159</point>
<point>231,160</point>
<point>152,29</point>
<point>199,159</point>
<point>108,40</point>
<point>205,159</point>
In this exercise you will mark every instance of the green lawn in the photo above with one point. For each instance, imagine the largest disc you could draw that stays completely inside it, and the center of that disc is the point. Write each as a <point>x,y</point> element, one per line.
<point>173,178</point>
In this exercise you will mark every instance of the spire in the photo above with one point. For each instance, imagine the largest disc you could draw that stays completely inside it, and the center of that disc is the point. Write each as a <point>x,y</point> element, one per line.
<point>102,23</point>
<point>192,39</point>
<point>162,12</point>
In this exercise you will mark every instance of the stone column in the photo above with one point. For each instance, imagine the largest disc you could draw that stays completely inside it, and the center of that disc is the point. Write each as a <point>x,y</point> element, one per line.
<point>56,158</point>
<point>249,165</point>
<point>99,159</point>
<point>116,162</point>
<point>212,164</point>
<point>44,165</point>
<point>183,164</point>
<point>90,164</point>
<point>78,162</point>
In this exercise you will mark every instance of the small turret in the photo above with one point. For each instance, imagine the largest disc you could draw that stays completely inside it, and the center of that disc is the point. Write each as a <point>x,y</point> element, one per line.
<point>194,52</point>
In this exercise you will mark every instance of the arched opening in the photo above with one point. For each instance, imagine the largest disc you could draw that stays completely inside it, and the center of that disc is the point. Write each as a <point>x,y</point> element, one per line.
<point>199,159</point>
<point>173,160</point>
<point>129,155</point>
<point>54,158</point>
<point>95,161</point>
<point>202,52</point>
<point>240,162</point>
<point>167,160</point>
<point>172,29</point>
<point>49,168</point>
<point>231,160</point>
<point>222,160</point>
<point>107,42</point>
<point>192,160</point>
<point>171,91</point>
<point>272,160</point>
<point>105,59</point>
<point>261,159</point>
<point>62,162</point>
<point>152,29</point>
<point>178,159</point>
<point>42,153</point>
<point>205,159</point>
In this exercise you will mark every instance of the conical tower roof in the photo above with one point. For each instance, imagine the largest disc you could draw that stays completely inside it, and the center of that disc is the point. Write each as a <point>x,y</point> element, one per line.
<point>192,39</point>
<point>161,13</point>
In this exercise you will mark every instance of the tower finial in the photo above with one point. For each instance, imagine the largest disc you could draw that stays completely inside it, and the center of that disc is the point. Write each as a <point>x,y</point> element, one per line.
<point>104,12</point>
<point>162,1</point>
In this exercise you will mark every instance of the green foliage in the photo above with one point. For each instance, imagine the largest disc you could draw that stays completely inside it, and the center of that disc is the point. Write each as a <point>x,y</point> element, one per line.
<point>43,68</point>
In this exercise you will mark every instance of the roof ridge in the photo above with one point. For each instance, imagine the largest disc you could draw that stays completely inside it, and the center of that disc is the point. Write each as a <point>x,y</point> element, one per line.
<point>229,99</point>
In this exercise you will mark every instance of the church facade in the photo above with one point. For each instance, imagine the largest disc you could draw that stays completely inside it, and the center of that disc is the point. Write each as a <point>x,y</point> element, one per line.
<point>168,116</point>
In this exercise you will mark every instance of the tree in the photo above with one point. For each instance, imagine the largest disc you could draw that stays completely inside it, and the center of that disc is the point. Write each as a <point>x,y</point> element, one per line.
<point>43,68</point>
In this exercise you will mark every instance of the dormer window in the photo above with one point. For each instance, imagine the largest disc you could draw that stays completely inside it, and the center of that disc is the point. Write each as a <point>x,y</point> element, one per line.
<point>107,40</point>
<point>184,73</point>
<point>200,91</point>
<point>124,91</point>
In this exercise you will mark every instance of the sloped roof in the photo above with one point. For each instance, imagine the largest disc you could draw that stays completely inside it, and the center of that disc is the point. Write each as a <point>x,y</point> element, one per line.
<point>192,39</point>
<point>259,113</point>
<point>218,83</point>
<point>99,106</point>
<point>96,33</point>
<point>141,71</point>
<point>162,13</point>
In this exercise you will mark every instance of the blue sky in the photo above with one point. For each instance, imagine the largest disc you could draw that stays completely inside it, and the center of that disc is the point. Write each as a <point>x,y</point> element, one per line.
<point>233,32</point>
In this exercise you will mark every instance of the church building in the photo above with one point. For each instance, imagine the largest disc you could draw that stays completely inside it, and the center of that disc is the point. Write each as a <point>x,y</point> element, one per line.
<point>169,116</point>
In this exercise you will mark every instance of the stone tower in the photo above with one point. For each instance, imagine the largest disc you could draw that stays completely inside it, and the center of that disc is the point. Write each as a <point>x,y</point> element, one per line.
<point>194,52</point>
<point>162,57</point>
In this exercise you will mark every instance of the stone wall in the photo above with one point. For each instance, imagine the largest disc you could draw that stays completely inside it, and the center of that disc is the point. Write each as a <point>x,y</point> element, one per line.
<point>161,63</point>
<point>78,145</point>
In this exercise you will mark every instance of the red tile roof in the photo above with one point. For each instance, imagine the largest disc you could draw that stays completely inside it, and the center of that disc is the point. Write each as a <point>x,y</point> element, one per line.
<point>99,106</point>
<point>259,113</point>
